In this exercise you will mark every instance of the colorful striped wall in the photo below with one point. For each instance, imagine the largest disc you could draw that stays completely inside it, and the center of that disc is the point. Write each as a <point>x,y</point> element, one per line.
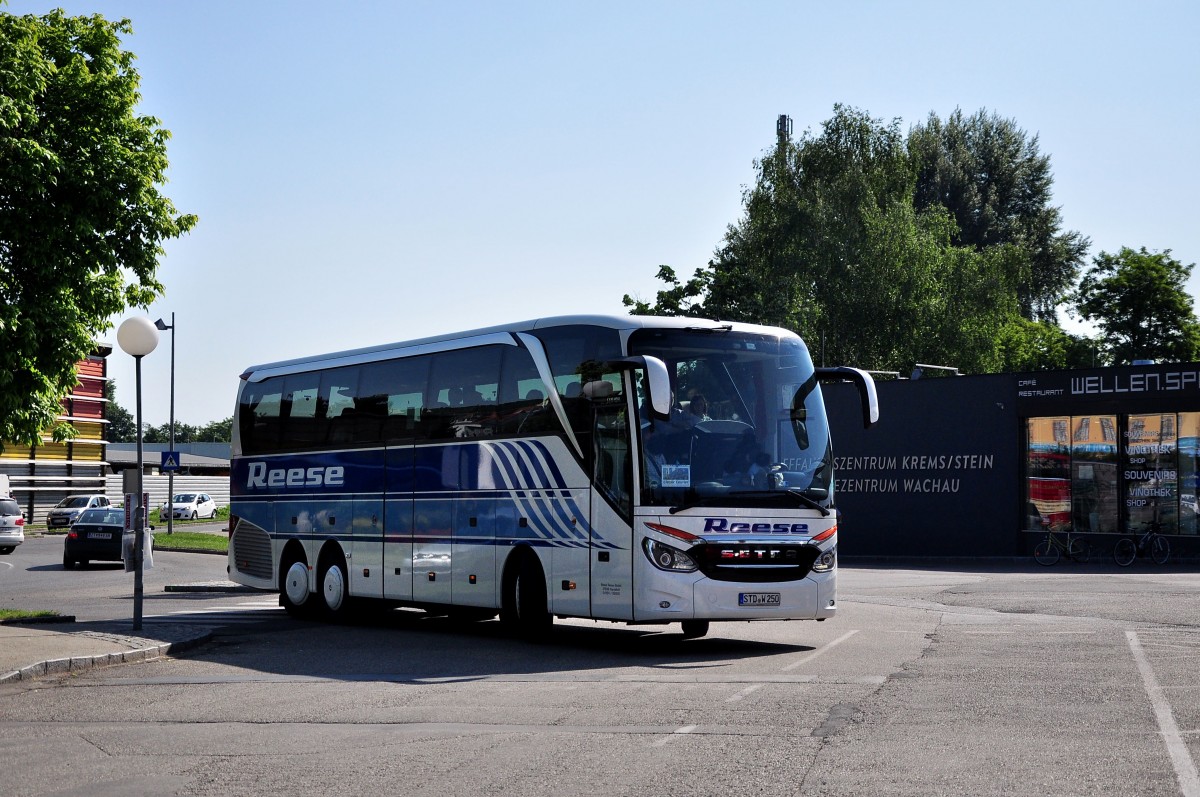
<point>40,476</point>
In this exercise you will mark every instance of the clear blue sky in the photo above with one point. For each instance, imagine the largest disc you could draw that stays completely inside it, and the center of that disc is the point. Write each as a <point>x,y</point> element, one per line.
<point>366,172</point>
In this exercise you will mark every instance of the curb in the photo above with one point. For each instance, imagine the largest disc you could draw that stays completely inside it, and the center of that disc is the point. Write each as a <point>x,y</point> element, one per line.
<point>216,586</point>
<point>159,547</point>
<point>79,664</point>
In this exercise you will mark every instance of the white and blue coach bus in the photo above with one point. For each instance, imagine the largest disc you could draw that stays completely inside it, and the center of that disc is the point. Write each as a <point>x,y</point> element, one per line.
<point>633,469</point>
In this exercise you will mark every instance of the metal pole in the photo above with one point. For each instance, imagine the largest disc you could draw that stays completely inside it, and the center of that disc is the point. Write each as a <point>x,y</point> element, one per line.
<point>139,511</point>
<point>171,473</point>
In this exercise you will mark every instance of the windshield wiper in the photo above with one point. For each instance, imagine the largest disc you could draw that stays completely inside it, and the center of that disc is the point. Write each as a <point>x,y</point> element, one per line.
<point>808,502</point>
<point>797,494</point>
<point>697,501</point>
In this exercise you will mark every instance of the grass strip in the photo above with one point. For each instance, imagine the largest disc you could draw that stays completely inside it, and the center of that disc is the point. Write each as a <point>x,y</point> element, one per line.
<point>191,541</point>
<point>25,614</point>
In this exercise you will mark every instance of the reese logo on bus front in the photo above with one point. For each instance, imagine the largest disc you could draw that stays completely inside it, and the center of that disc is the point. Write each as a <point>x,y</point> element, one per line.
<point>721,525</point>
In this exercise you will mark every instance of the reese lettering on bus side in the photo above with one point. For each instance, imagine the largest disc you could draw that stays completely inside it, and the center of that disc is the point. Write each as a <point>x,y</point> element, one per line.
<point>260,477</point>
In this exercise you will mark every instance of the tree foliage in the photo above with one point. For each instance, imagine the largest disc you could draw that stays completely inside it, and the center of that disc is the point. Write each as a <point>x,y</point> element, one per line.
<point>1140,302</point>
<point>883,249</point>
<point>81,216</point>
<point>213,432</point>
<point>832,245</point>
<point>1026,345</point>
<point>122,427</point>
<point>996,184</point>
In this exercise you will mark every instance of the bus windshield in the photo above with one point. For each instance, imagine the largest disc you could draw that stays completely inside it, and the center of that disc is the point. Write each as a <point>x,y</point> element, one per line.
<point>747,424</point>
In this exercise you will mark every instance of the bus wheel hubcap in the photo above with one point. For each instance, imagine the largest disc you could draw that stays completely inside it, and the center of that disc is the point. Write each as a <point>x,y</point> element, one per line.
<point>297,583</point>
<point>334,588</point>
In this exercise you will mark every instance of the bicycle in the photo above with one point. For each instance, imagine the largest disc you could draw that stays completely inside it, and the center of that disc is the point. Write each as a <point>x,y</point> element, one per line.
<point>1126,550</point>
<point>1050,550</point>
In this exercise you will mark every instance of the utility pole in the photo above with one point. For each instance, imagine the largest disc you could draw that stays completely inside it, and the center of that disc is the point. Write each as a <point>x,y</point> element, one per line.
<point>162,326</point>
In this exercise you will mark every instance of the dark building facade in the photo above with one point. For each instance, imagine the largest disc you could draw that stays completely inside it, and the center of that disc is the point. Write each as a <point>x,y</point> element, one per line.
<point>982,466</point>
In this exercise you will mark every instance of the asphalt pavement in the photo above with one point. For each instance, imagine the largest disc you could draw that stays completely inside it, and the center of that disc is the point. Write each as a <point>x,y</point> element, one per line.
<point>60,645</point>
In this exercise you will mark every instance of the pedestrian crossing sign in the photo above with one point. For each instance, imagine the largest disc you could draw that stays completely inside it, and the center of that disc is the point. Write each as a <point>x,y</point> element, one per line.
<point>170,461</point>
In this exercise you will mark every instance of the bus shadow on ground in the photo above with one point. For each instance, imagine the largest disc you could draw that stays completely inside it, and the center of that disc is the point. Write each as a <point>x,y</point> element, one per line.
<point>406,645</point>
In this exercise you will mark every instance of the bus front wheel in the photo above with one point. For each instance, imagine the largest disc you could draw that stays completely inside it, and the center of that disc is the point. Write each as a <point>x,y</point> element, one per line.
<point>694,629</point>
<point>524,607</point>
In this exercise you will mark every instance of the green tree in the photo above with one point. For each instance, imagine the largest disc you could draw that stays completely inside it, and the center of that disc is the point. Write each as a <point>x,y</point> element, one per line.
<point>216,431</point>
<point>677,299</point>
<point>184,433</point>
<point>996,184</point>
<point>831,246</point>
<point>79,206</point>
<point>1026,345</point>
<point>1141,304</point>
<point>122,428</point>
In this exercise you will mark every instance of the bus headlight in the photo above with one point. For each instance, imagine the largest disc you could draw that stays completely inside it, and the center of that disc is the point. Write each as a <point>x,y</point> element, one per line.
<point>664,557</point>
<point>826,561</point>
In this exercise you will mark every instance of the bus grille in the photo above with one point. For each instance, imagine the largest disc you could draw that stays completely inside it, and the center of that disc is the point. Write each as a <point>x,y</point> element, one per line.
<point>251,549</point>
<point>754,563</point>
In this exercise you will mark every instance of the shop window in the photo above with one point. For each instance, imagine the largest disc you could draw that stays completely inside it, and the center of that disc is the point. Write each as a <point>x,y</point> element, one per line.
<point>1095,502</point>
<point>1189,466</point>
<point>1151,472</point>
<point>1048,475</point>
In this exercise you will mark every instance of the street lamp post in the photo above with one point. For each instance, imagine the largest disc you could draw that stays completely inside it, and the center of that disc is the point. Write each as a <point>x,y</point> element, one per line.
<point>137,338</point>
<point>159,325</point>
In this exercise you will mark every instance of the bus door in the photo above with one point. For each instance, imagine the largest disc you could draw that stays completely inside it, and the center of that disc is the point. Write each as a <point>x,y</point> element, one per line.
<point>397,519</point>
<point>611,532</point>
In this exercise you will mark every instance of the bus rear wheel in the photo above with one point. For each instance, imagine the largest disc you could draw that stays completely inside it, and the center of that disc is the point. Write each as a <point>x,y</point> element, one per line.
<point>523,607</point>
<point>335,592</point>
<point>694,629</point>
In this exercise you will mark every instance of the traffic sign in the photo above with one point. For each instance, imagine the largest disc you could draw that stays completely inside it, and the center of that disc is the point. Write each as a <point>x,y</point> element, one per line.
<point>170,461</point>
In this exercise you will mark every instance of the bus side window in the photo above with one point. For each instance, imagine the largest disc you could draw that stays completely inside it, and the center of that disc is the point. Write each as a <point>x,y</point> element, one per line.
<point>391,395</point>
<point>458,380</point>
<point>259,413</point>
<point>522,407</point>
<point>304,423</point>
<point>339,389</point>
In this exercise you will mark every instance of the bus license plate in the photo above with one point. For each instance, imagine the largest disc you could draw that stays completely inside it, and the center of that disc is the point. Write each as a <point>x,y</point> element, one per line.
<point>100,535</point>
<point>758,598</point>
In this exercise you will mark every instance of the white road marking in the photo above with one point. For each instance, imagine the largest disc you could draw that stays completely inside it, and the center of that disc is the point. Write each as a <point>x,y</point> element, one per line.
<point>743,693</point>
<point>1181,759</point>
<point>678,732</point>
<point>819,651</point>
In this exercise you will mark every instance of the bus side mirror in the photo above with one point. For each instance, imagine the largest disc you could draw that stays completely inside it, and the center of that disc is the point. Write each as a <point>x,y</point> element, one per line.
<point>658,382</point>
<point>866,389</point>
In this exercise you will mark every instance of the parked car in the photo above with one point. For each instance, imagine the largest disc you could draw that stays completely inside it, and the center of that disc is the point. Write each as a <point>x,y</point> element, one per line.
<point>70,508</point>
<point>97,534</point>
<point>189,506</point>
<point>12,525</point>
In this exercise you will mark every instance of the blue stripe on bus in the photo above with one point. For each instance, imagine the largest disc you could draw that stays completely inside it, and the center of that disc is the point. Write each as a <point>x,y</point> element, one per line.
<point>522,473</point>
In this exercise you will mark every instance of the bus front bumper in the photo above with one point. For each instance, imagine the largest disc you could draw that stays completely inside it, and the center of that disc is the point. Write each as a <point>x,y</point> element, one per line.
<point>667,597</point>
